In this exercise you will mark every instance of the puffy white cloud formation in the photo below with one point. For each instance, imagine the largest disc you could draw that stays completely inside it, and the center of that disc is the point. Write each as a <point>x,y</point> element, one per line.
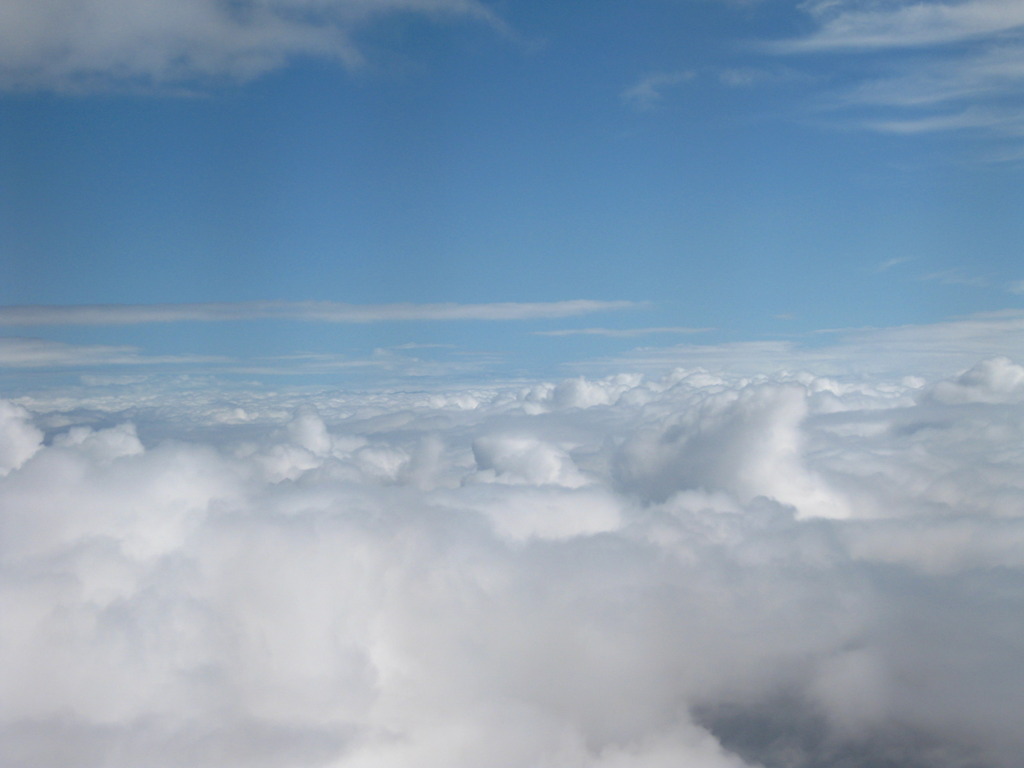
<point>633,572</point>
<point>19,438</point>
<point>996,380</point>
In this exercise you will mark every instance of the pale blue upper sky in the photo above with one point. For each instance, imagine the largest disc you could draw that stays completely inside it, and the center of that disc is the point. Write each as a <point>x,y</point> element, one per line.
<point>761,169</point>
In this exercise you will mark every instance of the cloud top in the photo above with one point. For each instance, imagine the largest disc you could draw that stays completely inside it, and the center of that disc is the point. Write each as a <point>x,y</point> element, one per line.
<point>626,572</point>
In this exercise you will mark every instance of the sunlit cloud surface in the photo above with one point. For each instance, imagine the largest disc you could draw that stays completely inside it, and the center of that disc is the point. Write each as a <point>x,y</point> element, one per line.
<point>696,568</point>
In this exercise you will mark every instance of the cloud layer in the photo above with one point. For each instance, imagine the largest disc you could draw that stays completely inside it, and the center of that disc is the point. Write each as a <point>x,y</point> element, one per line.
<point>692,569</point>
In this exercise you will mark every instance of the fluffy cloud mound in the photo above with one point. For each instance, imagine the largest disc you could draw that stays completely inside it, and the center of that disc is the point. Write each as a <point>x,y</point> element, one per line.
<point>19,438</point>
<point>996,380</point>
<point>630,572</point>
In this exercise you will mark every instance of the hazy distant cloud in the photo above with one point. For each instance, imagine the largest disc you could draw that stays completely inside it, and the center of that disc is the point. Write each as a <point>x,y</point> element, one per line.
<point>84,44</point>
<point>649,90</point>
<point>888,264</point>
<point>923,349</point>
<point>310,311</point>
<point>42,353</point>
<point>955,277</point>
<point>621,333</point>
<point>746,77</point>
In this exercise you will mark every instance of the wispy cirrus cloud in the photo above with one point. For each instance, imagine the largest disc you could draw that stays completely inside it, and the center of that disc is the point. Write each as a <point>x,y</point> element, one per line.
<point>309,311</point>
<point>928,67</point>
<point>18,355</point>
<point>955,277</point>
<point>69,45</point>
<point>857,24</point>
<point>619,333</point>
<point>926,349</point>
<point>43,353</point>
<point>650,89</point>
<point>888,264</point>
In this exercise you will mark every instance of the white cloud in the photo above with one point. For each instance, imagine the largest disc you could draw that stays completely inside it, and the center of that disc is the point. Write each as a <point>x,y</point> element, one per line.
<point>920,350</point>
<point>310,311</point>
<point>19,438</point>
<point>888,264</point>
<point>620,333</point>
<point>955,277</point>
<point>857,24</point>
<point>648,91</point>
<point>988,121</point>
<point>963,78</point>
<point>42,353</point>
<point>86,44</point>
<point>700,568</point>
<point>926,66</point>
<point>995,380</point>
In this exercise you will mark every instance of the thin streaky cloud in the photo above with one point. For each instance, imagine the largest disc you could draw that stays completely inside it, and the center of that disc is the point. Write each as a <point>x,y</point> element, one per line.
<point>955,277</point>
<point>90,45</point>
<point>18,352</point>
<point>913,349</point>
<point>1005,122</point>
<point>309,311</point>
<point>649,89</point>
<point>966,76</point>
<point>858,25</point>
<point>885,266</point>
<point>622,333</point>
<point>989,72</point>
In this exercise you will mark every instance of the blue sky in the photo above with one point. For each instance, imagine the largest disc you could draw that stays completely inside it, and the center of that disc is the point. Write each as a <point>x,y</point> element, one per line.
<point>700,172</point>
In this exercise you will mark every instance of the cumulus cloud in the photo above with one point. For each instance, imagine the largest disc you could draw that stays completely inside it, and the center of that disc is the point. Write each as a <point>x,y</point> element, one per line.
<point>696,568</point>
<point>16,352</point>
<point>996,380</point>
<point>76,44</point>
<point>310,311</point>
<point>19,438</point>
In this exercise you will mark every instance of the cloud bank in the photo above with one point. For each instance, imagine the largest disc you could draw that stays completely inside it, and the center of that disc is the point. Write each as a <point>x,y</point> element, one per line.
<point>87,44</point>
<point>698,568</point>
